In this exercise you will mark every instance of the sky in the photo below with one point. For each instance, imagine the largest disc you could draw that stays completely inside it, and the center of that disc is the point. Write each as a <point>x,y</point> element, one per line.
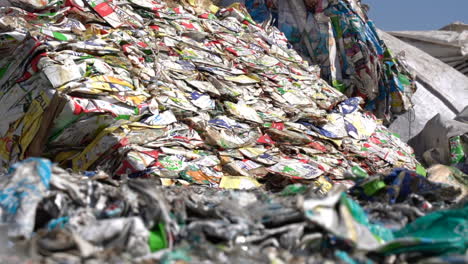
<point>394,15</point>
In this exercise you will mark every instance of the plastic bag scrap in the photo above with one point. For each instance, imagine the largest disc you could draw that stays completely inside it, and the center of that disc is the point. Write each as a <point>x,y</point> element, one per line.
<point>400,184</point>
<point>444,141</point>
<point>338,36</point>
<point>449,175</point>
<point>186,94</point>
<point>21,191</point>
<point>90,218</point>
<point>443,147</point>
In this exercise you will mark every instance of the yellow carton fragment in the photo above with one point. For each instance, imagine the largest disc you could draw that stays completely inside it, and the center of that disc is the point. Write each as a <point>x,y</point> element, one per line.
<point>238,182</point>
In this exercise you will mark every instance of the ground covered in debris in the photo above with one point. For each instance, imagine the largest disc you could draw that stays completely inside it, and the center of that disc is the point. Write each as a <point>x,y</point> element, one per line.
<point>93,219</point>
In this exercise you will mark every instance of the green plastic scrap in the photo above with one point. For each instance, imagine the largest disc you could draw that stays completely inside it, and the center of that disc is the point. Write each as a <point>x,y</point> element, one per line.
<point>293,189</point>
<point>421,170</point>
<point>440,232</point>
<point>359,172</point>
<point>158,239</point>
<point>404,79</point>
<point>380,233</point>
<point>339,86</point>
<point>374,186</point>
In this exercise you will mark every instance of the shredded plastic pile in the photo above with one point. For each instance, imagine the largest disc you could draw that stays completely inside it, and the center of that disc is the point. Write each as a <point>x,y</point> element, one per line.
<point>141,89</point>
<point>52,216</point>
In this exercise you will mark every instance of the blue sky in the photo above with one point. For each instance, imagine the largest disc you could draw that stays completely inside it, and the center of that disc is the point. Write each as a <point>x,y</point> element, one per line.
<point>392,15</point>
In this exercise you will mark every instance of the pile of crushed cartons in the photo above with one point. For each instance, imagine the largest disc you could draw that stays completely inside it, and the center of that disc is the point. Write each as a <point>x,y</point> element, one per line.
<point>338,36</point>
<point>141,89</point>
